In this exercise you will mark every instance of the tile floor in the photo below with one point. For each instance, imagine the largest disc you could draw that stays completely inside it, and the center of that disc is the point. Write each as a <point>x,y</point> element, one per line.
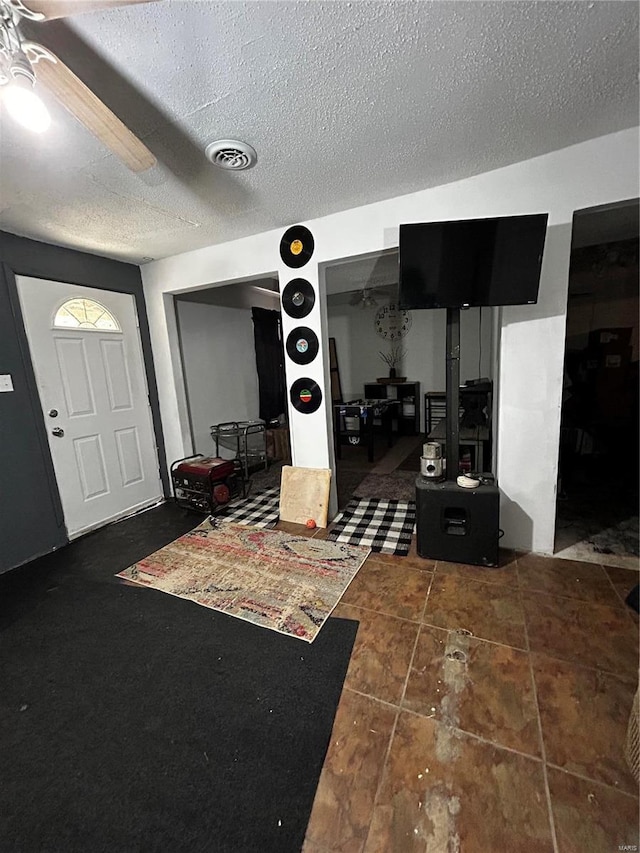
<point>484,711</point>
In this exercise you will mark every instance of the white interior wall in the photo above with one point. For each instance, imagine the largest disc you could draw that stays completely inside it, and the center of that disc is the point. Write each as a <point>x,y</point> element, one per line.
<point>530,338</point>
<point>311,434</point>
<point>426,349</point>
<point>357,347</point>
<point>219,368</point>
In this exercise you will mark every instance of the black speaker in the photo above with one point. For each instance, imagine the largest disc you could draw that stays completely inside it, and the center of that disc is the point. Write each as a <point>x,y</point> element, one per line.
<point>457,524</point>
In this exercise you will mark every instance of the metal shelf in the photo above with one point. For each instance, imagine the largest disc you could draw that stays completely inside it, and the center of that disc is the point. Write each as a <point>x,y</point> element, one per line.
<point>407,394</point>
<point>246,439</point>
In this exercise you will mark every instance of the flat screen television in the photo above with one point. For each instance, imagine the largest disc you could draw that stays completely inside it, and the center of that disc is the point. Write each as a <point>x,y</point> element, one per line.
<point>471,262</point>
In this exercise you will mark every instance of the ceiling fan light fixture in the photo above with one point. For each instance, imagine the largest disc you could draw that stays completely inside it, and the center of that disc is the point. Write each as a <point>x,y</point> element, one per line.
<point>364,299</point>
<point>24,105</point>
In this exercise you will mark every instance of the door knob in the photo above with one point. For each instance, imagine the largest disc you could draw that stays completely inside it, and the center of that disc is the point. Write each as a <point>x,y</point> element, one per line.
<point>57,431</point>
<point>53,413</point>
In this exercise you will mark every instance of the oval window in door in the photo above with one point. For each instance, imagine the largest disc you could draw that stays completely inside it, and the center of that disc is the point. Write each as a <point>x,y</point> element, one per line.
<point>85,314</point>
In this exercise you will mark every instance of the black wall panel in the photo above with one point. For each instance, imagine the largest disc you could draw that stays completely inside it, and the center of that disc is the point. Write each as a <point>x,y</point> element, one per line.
<point>31,520</point>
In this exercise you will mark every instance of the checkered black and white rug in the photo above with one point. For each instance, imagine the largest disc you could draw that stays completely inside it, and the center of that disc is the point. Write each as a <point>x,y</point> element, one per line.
<point>260,510</point>
<point>381,525</point>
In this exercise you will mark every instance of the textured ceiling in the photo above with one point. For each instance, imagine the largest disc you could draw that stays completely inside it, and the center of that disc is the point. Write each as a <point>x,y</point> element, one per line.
<point>262,292</point>
<point>379,272</point>
<point>345,102</point>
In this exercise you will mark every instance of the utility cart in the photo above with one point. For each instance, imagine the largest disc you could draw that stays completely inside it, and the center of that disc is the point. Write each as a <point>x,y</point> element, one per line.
<point>247,440</point>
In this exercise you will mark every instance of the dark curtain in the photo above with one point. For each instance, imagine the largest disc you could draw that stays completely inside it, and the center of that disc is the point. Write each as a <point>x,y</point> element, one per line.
<point>267,336</point>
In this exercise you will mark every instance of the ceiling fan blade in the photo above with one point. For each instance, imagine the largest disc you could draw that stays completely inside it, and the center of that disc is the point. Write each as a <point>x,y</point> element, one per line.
<point>64,8</point>
<point>82,103</point>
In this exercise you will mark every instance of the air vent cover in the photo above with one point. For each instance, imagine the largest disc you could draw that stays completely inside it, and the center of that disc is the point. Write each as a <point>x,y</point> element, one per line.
<point>231,155</point>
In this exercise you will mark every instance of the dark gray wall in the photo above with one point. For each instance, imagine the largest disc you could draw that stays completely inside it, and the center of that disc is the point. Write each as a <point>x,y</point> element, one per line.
<point>31,519</point>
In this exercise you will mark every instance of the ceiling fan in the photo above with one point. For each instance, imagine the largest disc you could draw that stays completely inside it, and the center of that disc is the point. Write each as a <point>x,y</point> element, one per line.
<point>366,298</point>
<point>25,65</point>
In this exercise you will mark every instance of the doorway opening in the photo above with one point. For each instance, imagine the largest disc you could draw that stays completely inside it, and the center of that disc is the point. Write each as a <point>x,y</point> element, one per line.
<point>597,506</point>
<point>392,380</point>
<point>233,367</point>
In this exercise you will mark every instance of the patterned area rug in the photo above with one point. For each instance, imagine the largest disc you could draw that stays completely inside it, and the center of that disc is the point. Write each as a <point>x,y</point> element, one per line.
<point>384,526</point>
<point>599,524</point>
<point>398,486</point>
<point>259,510</point>
<point>621,539</point>
<point>286,583</point>
<point>614,546</point>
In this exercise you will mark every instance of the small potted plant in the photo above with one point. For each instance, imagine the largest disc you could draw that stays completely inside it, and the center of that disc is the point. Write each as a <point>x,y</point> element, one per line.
<point>393,359</point>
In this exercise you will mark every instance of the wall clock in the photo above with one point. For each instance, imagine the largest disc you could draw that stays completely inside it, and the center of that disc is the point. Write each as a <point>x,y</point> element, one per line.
<point>392,322</point>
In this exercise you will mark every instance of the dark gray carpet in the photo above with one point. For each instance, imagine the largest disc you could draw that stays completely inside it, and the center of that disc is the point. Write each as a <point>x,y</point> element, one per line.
<point>399,486</point>
<point>134,721</point>
<point>412,461</point>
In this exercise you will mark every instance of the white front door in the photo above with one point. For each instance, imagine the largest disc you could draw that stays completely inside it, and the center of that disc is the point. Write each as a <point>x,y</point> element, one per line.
<point>87,357</point>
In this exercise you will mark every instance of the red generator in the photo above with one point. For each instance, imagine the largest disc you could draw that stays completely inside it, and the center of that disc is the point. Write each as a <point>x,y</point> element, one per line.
<point>205,483</point>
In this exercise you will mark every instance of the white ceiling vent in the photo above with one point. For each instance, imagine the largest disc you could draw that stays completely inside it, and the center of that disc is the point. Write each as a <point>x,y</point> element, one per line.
<point>231,155</point>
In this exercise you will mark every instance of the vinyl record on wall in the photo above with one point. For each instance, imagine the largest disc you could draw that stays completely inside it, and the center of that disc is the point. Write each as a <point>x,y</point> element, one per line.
<point>302,345</point>
<point>298,298</point>
<point>305,395</point>
<point>296,246</point>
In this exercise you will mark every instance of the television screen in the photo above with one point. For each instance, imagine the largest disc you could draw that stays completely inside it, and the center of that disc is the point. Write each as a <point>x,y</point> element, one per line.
<point>471,262</point>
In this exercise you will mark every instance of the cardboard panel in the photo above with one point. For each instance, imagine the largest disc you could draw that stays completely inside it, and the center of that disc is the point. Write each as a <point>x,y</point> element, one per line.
<point>304,494</point>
